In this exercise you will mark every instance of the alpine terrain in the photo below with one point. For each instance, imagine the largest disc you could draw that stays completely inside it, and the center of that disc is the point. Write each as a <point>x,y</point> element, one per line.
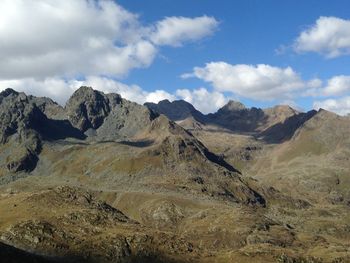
<point>104,179</point>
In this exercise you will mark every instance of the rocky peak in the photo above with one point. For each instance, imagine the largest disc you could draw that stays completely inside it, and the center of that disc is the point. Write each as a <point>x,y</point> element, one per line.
<point>233,106</point>
<point>325,114</point>
<point>282,109</point>
<point>87,108</point>
<point>19,120</point>
<point>166,101</point>
<point>176,110</point>
<point>8,92</point>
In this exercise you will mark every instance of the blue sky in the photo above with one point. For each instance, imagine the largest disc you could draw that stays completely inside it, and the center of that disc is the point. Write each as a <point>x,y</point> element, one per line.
<point>250,31</point>
<point>262,53</point>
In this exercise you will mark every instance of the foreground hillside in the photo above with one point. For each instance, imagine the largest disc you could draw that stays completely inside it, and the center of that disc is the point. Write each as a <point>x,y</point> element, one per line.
<point>107,180</point>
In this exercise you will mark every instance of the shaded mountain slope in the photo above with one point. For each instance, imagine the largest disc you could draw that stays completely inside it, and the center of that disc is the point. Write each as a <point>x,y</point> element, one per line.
<point>314,162</point>
<point>23,126</point>
<point>284,130</point>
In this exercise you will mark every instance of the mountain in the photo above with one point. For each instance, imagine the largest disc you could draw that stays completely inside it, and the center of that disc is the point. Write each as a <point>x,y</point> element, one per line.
<point>233,116</point>
<point>177,110</point>
<point>103,179</point>
<point>315,160</point>
<point>104,121</point>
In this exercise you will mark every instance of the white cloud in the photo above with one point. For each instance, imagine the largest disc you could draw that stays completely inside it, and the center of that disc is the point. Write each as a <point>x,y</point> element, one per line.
<point>340,106</point>
<point>174,31</point>
<point>292,104</point>
<point>338,85</point>
<point>202,99</point>
<point>41,39</point>
<point>54,88</point>
<point>60,90</point>
<point>330,36</point>
<point>157,96</point>
<point>314,83</point>
<point>260,82</point>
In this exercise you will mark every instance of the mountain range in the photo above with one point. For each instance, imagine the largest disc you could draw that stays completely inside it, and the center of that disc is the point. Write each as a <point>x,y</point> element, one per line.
<point>104,179</point>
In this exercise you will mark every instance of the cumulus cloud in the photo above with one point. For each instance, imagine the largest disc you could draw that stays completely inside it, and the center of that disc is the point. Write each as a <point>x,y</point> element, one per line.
<point>60,90</point>
<point>54,88</point>
<point>41,39</point>
<point>174,31</point>
<point>340,106</point>
<point>46,44</point>
<point>337,86</point>
<point>259,82</point>
<point>202,99</point>
<point>131,92</point>
<point>329,36</point>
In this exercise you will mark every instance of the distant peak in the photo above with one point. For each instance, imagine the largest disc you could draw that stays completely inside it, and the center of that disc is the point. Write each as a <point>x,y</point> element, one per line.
<point>166,101</point>
<point>234,106</point>
<point>8,92</point>
<point>326,113</point>
<point>282,109</point>
<point>84,89</point>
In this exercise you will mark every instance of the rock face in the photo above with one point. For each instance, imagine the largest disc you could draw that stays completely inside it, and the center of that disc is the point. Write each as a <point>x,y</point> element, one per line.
<point>24,125</point>
<point>106,115</point>
<point>87,108</point>
<point>19,119</point>
<point>125,120</point>
<point>51,109</point>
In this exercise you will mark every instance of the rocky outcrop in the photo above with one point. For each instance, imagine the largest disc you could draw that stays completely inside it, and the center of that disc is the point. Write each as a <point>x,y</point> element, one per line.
<point>87,108</point>
<point>24,126</point>
<point>106,115</point>
<point>19,119</point>
<point>126,120</point>
<point>51,109</point>
<point>81,228</point>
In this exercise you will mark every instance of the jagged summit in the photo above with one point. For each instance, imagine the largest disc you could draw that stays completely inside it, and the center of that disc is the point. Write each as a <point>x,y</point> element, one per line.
<point>177,110</point>
<point>233,106</point>
<point>87,108</point>
<point>326,113</point>
<point>233,116</point>
<point>8,92</point>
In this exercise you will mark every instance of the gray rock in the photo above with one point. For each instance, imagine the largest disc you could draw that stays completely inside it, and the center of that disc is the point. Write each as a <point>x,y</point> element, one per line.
<point>87,108</point>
